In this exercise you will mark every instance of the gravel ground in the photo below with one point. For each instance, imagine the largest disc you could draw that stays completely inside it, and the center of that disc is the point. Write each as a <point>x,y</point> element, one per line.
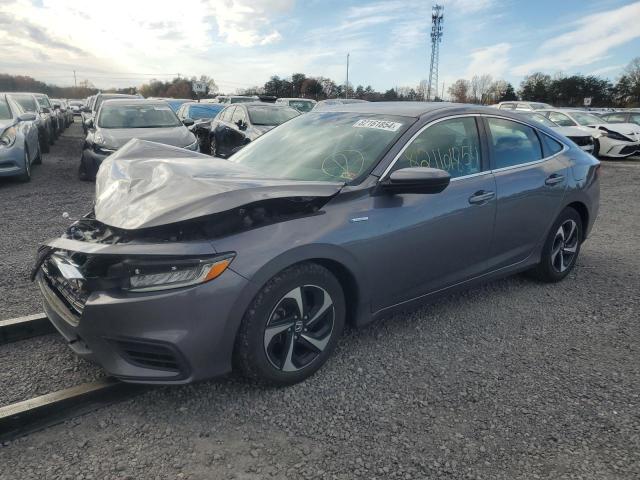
<point>510,380</point>
<point>32,213</point>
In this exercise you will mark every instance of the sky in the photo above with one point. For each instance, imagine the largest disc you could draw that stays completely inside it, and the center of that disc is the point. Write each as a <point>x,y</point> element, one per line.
<point>241,43</point>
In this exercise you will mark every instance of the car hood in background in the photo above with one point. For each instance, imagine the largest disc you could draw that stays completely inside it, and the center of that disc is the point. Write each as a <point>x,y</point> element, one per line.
<point>262,129</point>
<point>571,131</point>
<point>146,184</point>
<point>178,136</point>
<point>6,124</point>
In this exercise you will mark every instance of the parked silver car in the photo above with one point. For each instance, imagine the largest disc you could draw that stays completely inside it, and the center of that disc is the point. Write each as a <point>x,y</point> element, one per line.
<point>191,264</point>
<point>19,145</point>
<point>44,118</point>
<point>119,120</point>
<point>581,138</point>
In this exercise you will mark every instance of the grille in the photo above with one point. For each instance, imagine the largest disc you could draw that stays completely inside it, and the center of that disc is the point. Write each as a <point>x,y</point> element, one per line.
<point>630,149</point>
<point>150,355</point>
<point>582,141</point>
<point>69,291</point>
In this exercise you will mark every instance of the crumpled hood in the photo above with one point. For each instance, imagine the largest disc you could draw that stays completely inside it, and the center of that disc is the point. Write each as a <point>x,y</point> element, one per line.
<point>178,136</point>
<point>628,129</point>
<point>146,184</point>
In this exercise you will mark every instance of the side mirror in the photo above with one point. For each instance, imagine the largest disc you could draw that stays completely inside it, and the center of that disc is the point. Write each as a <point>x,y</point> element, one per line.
<point>416,180</point>
<point>27,117</point>
<point>85,109</point>
<point>46,110</point>
<point>89,122</point>
<point>187,122</point>
<point>241,125</point>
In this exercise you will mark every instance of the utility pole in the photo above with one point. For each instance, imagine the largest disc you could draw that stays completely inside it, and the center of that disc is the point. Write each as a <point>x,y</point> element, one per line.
<point>346,90</point>
<point>75,83</point>
<point>437,18</point>
<point>442,95</point>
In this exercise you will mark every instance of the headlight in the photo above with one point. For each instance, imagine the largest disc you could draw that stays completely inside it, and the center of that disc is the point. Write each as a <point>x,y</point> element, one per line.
<point>192,146</point>
<point>618,136</point>
<point>8,137</point>
<point>163,275</point>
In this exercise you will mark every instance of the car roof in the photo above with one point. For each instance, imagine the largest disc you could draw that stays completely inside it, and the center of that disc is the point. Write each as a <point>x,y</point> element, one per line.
<point>133,101</point>
<point>406,109</point>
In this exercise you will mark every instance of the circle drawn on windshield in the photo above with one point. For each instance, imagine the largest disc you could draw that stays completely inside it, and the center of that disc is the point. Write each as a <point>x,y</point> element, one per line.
<point>345,165</point>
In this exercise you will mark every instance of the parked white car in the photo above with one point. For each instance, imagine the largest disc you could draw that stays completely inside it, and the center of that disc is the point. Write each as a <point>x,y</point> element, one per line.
<point>578,136</point>
<point>527,106</point>
<point>615,140</point>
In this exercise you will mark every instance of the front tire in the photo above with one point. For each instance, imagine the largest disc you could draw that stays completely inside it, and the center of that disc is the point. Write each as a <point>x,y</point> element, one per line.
<point>561,248</point>
<point>292,326</point>
<point>26,174</point>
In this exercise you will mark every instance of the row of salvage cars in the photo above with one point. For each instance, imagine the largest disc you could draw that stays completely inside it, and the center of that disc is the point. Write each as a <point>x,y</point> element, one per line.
<point>191,266</point>
<point>610,134</point>
<point>29,124</point>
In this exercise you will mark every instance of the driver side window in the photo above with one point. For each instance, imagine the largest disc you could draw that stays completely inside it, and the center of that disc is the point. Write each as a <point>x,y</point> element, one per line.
<point>452,145</point>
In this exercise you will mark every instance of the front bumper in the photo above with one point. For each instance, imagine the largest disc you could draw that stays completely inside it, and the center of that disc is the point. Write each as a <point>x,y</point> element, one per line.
<point>11,161</point>
<point>166,337</point>
<point>618,149</point>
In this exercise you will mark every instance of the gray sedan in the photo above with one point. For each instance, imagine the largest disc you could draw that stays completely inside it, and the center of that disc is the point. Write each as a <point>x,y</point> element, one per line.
<point>191,265</point>
<point>19,145</point>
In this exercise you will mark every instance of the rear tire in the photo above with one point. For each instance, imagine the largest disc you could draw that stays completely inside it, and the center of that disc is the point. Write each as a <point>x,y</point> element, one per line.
<point>561,248</point>
<point>292,326</point>
<point>44,144</point>
<point>596,147</point>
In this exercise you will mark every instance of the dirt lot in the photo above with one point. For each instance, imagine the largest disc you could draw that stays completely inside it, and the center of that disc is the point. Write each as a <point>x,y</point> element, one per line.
<point>511,380</point>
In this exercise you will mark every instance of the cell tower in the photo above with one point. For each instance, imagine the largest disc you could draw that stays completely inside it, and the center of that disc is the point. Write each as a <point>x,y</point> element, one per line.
<point>437,17</point>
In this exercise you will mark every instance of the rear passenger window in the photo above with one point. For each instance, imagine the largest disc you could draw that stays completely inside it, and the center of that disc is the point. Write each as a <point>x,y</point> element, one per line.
<point>513,143</point>
<point>452,145</point>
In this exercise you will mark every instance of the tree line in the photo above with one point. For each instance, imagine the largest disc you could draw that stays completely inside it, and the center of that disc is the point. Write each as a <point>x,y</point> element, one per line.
<point>560,90</point>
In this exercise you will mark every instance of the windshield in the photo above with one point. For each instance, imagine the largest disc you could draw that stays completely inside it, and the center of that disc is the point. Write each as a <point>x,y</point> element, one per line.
<point>241,100</point>
<point>539,118</point>
<point>5,112</point>
<point>587,118</point>
<point>301,105</point>
<point>27,102</point>
<point>44,102</point>
<point>198,112</point>
<point>271,115</point>
<point>137,116</point>
<point>325,146</point>
<point>102,98</point>
<point>539,106</point>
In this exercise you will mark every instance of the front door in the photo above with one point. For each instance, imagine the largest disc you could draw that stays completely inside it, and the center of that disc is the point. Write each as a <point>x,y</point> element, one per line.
<point>426,242</point>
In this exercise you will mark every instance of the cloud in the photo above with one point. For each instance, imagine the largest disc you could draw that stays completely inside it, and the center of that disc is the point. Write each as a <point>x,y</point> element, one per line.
<point>589,40</point>
<point>247,23</point>
<point>493,60</point>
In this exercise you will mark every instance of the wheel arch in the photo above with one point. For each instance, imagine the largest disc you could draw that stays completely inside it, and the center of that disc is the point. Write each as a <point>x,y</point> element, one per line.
<point>583,211</point>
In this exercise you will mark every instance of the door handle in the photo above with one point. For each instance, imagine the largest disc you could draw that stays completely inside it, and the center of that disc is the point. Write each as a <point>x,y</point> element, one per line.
<point>481,197</point>
<point>554,179</point>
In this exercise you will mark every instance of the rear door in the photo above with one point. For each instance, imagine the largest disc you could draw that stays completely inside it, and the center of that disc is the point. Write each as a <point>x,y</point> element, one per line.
<point>531,177</point>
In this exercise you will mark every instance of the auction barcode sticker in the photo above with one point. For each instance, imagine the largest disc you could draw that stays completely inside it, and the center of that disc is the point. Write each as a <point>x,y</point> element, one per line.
<point>379,124</point>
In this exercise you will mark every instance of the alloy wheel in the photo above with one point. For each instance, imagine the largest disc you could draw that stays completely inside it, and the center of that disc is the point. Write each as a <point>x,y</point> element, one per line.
<point>565,246</point>
<point>299,328</point>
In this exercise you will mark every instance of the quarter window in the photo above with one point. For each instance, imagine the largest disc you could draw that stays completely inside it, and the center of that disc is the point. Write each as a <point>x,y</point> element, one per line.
<point>513,143</point>
<point>452,145</point>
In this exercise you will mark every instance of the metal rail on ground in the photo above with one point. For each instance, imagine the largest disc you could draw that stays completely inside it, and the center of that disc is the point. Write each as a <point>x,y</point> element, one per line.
<point>15,329</point>
<point>28,416</point>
